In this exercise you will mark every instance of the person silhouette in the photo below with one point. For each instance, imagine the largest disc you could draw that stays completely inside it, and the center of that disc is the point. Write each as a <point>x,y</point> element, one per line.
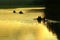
<point>20,12</point>
<point>14,11</point>
<point>39,19</point>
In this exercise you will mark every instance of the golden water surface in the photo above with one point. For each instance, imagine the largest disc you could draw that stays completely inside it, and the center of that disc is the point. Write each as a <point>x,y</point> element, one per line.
<point>15,26</point>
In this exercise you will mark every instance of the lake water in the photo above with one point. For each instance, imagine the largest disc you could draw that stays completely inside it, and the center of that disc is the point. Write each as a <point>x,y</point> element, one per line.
<point>15,26</point>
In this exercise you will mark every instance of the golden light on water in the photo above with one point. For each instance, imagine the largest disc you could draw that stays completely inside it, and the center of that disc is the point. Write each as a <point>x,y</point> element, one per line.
<point>15,26</point>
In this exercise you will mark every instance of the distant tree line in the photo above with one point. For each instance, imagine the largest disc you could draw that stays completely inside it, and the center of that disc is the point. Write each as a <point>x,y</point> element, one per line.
<point>21,2</point>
